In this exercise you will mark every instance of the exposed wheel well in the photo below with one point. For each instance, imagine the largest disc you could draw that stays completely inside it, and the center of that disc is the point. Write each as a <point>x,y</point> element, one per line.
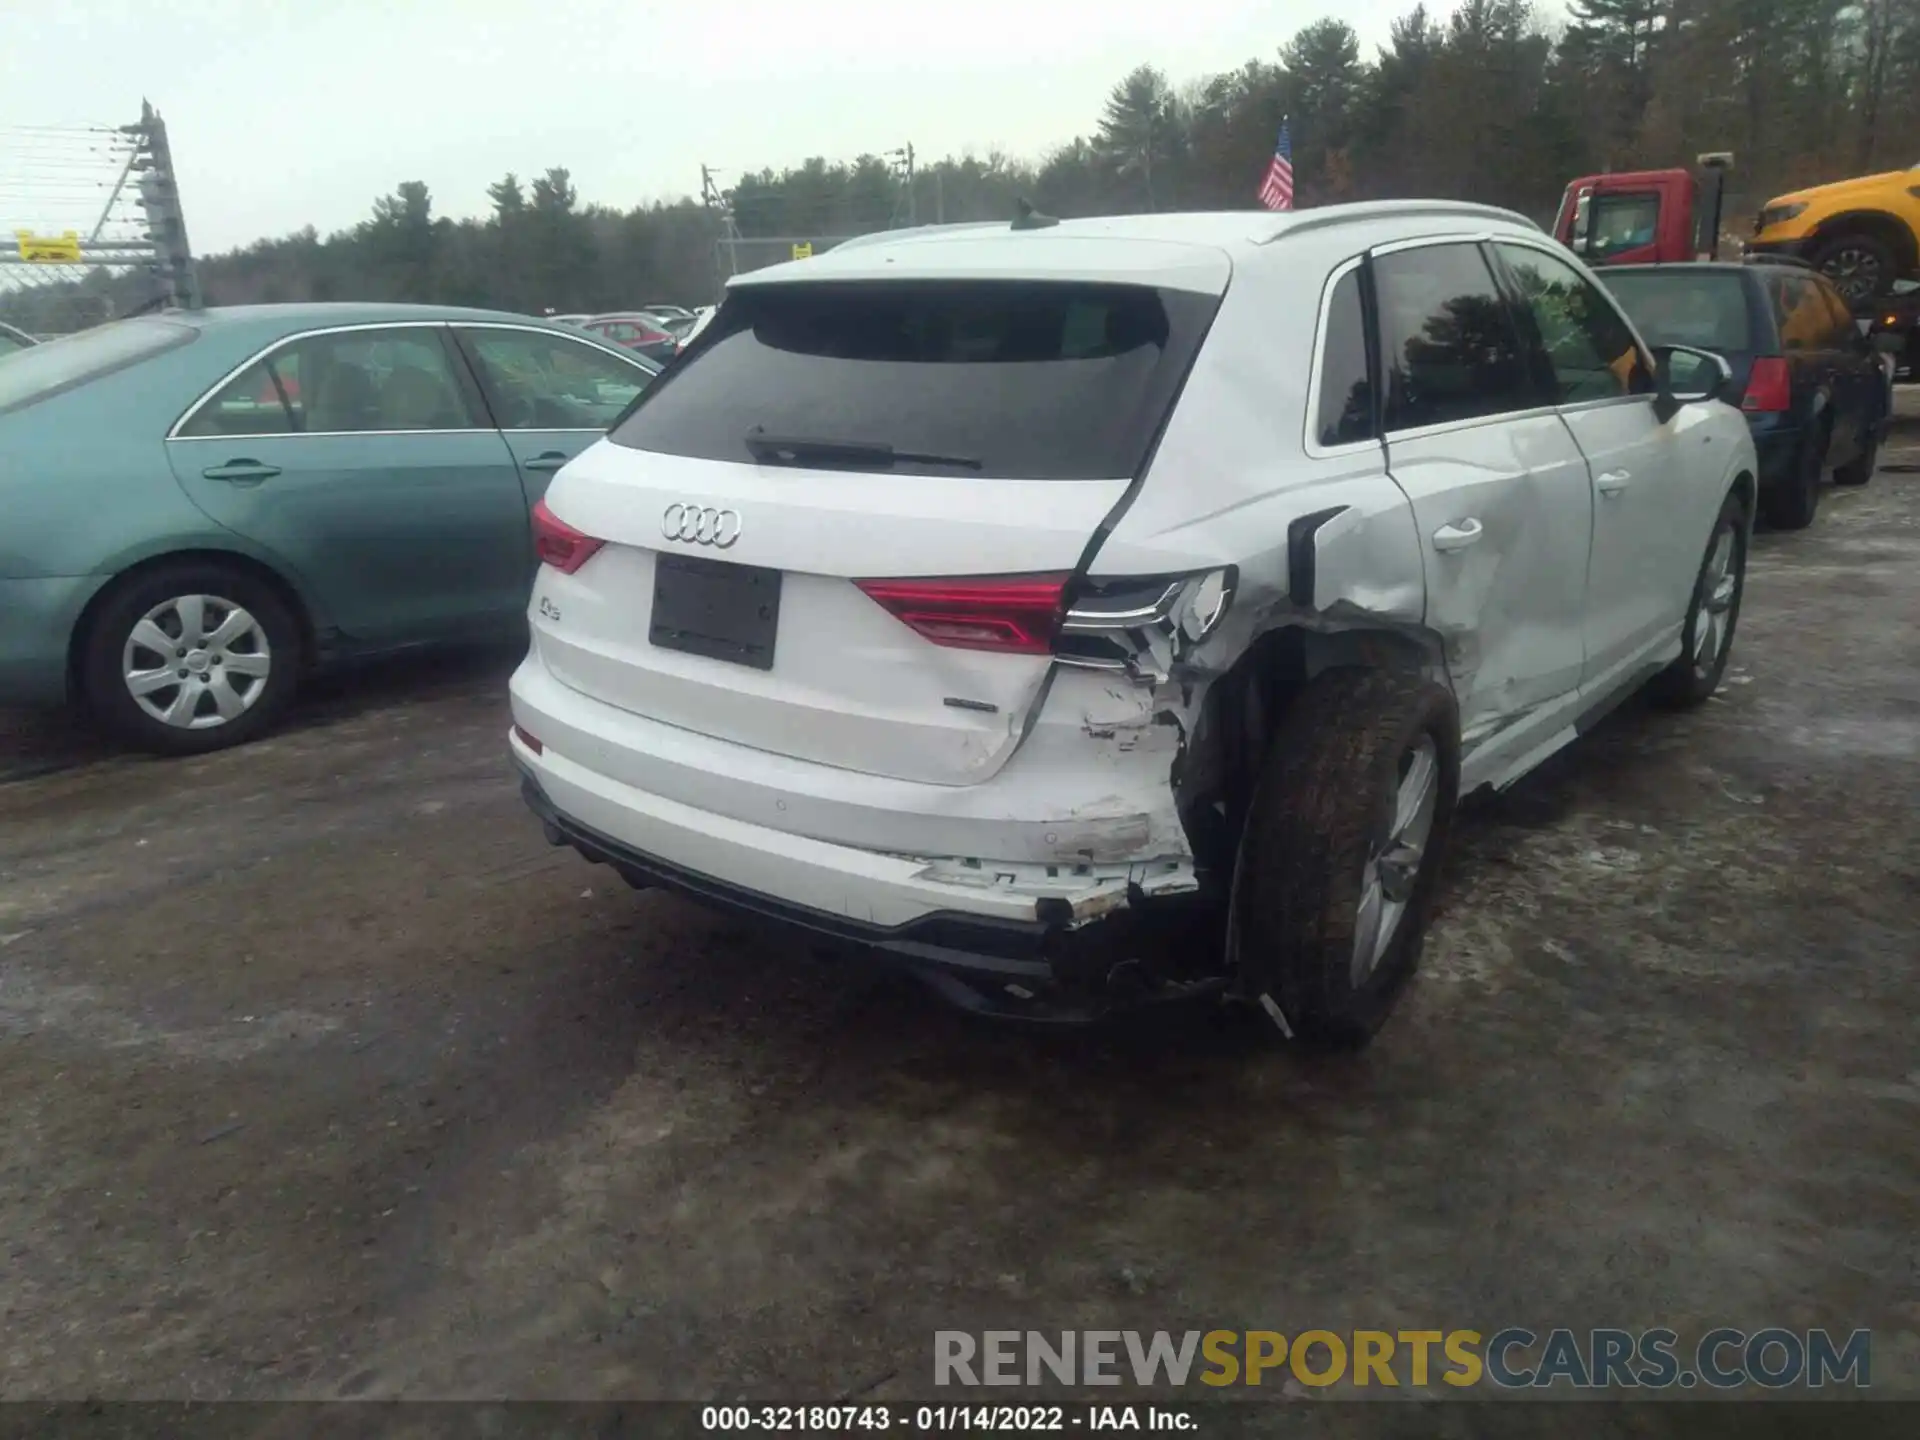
<point>245,564</point>
<point>1886,228</point>
<point>1228,748</point>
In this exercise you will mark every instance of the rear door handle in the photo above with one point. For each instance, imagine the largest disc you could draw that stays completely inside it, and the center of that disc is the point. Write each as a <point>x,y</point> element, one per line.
<point>243,472</point>
<point>1457,536</point>
<point>551,460</point>
<point>1612,482</point>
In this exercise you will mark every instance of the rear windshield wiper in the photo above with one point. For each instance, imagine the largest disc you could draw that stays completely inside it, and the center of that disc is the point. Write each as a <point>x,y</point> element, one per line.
<point>844,454</point>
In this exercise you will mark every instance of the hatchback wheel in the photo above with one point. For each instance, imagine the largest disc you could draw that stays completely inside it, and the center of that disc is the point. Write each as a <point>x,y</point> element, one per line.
<point>190,658</point>
<point>1712,613</point>
<point>1341,853</point>
<point>1792,504</point>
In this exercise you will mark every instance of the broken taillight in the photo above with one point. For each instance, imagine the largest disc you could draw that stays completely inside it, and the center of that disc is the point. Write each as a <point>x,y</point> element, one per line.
<point>1014,614</point>
<point>558,544</point>
<point>1769,387</point>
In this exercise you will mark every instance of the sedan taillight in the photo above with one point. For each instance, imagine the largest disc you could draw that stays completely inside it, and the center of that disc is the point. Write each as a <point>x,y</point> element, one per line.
<point>558,544</point>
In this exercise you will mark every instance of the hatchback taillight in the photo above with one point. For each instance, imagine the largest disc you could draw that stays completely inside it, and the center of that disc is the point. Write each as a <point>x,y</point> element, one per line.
<point>558,544</point>
<point>1769,387</point>
<point>1015,614</point>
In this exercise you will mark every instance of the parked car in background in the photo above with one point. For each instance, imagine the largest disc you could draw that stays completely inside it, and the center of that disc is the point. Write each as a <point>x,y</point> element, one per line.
<point>12,339</point>
<point>202,505</point>
<point>994,598</point>
<point>670,312</point>
<point>1812,386</point>
<point>574,320</point>
<point>637,330</point>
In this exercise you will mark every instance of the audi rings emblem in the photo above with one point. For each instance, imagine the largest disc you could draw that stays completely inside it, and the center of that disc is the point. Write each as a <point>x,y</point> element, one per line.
<point>702,524</point>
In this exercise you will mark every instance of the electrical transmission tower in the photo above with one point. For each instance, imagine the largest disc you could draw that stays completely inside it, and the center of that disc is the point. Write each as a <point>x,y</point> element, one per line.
<point>83,209</point>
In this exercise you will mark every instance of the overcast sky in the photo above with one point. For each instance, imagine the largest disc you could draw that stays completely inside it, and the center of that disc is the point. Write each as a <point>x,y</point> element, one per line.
<point>284,113</point>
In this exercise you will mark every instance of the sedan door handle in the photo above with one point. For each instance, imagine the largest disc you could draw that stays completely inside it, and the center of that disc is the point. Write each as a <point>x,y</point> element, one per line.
<point>1457,536</point>
<point>551,460</point>
<point>245,472</point>
<point>1612,482</point>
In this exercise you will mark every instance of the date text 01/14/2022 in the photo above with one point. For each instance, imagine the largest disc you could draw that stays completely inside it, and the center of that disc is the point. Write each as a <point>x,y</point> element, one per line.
<point>965,1419</point>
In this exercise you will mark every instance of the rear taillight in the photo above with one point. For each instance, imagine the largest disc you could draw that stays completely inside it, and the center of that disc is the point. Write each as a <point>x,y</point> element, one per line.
<point>1014,614</point>
<point>1769,387</point>
<point>558,544</point>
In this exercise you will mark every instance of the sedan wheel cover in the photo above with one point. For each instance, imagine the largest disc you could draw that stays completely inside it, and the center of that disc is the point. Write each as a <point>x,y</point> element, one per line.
<point>196,662</point>
<point>1719,588</point>
<point>1393,870</point>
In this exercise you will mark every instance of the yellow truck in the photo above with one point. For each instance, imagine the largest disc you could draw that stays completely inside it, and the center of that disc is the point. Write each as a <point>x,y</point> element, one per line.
<point>1863,234</point>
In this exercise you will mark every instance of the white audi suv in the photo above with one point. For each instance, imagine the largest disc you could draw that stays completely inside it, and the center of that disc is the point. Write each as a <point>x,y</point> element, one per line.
<point>1091,612</point>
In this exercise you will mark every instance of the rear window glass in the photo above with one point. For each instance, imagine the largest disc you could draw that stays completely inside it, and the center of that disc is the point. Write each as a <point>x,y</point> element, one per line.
<point>1015,380</point>
<point>43,370</point>
<point>1707,310</point>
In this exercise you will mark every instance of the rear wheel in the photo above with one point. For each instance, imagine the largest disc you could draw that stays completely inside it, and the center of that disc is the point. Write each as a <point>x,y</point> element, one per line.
<point>1341,853</point>
<point>1791,505</point>
<point>189,658</point>
<point>1712,613</point>
<point>1860,265</point>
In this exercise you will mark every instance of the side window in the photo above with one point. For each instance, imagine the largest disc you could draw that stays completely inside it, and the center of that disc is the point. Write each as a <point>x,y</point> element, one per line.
<point>548,382</point>
<point>1803,318</point>
<point>262,399</point>
<point>344,383</point>
<point>1589,349</point>
<point>1346,397</point>
<point>1448,348</point>
<point>1845,333</point>
<point>1622,222</point>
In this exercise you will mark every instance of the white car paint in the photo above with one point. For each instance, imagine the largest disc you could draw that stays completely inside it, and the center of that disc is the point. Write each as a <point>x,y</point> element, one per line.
<point>1505,550</point>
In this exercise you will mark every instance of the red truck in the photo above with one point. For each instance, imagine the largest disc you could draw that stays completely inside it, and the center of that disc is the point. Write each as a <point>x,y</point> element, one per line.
<point>1651,217</point>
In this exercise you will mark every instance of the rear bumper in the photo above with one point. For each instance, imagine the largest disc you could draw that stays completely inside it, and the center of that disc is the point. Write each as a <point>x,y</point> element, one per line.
<point>36,626</point>
<point>1069,957</point>
<point>1778,450</point>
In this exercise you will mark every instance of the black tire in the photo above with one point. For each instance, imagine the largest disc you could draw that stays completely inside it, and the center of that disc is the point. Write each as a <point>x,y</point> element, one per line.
<point>1792,504</point>
<point>1321,813</point>
<point>1688,681</point>
<point>1859,470</point>
<point>1859,264</point>
<point>225,589</point>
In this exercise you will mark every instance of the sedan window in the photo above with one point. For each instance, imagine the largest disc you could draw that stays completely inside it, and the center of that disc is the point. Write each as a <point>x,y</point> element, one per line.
<point>537,381</point>
<point>347,382</point>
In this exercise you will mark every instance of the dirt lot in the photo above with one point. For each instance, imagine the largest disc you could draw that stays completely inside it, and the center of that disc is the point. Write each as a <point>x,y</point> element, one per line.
<point>324,1076</point>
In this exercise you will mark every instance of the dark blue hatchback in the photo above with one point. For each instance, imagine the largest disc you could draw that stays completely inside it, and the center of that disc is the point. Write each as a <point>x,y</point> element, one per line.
<point>1815,392</point>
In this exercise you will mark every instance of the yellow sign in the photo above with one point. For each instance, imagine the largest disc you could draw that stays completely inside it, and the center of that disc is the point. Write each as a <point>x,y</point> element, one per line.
<point>49,249</point>
<point>803,251</point>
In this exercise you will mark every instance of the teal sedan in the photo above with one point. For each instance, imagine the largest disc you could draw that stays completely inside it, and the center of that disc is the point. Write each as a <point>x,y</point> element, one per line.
<point>201,507</point>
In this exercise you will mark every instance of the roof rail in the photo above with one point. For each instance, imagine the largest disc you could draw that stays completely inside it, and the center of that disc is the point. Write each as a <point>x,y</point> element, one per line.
<point>882,237</point>
<point>1326,216</point>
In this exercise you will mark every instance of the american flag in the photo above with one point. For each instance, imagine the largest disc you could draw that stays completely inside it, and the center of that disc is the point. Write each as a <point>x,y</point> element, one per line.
<point>1276,191</point>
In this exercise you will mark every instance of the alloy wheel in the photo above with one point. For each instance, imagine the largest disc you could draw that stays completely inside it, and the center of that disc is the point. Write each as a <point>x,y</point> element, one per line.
<point>1713,618</point>
<point>1393,870</point>
<point>1854,271</point>
<point>196,661</point>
